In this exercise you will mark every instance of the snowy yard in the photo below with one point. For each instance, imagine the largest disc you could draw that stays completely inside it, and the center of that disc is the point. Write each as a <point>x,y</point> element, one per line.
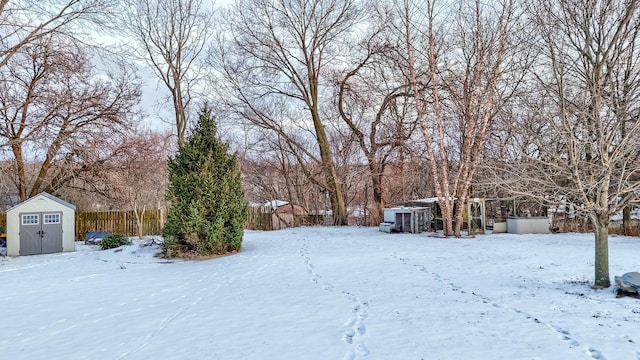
<point>325,293</point>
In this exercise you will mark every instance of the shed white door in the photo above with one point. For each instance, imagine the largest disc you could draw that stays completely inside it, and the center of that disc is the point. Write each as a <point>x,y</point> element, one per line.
<point>40,233</point>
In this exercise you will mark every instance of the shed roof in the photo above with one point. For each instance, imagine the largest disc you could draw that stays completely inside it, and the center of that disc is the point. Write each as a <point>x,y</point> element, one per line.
<point>275,203</point>
<point>48,196</point>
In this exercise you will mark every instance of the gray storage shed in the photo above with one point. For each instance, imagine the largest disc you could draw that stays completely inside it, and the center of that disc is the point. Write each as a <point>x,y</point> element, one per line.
<point>43,224</point>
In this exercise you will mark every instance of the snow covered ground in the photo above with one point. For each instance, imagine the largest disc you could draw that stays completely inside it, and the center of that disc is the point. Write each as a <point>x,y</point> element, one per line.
<point>325,293</point>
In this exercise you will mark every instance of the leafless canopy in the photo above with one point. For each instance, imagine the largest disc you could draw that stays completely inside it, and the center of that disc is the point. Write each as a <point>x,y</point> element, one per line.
<point>25,21</point>
<point>58,114</point>
<point>277,61</point>
<point>172,36</point>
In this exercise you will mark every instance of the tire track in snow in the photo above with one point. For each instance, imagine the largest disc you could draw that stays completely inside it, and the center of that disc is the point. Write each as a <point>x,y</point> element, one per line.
<point>355,327</point>
<point>564,334</point>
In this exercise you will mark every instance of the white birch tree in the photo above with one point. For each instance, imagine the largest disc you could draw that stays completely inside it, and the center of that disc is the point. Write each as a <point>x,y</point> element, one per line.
<point>466,79</point>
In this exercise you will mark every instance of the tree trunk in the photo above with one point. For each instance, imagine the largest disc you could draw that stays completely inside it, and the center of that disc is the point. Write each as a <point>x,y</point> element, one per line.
<point>458,218</point>
<point>376,170</point>
<point>338,206</point>
<point>626,220</point>
<point>139,219</point>
<point>180,118</point>
<point>446,207</point>
<point>378,200</point>
<point>21,182</point>
<point>601,252</point>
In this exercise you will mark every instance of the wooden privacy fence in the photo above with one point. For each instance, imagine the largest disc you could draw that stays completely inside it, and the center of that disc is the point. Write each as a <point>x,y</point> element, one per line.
<point>263,218</point>
<point>259,219</point>
<point>119,222</point>
<point>124,222</point>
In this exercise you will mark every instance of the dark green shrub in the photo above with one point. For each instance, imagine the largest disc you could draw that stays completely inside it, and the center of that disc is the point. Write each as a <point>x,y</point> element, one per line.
<point>207,213</point>
<point>114,241</point>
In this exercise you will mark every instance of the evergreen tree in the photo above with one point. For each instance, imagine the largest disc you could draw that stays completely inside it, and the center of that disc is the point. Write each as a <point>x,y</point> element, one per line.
<point>207,212</point>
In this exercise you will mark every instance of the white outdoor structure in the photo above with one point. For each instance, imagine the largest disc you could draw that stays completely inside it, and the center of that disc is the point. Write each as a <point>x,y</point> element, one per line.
<point>42,224</point>
<point>528,225</point>
<point>406,219</point>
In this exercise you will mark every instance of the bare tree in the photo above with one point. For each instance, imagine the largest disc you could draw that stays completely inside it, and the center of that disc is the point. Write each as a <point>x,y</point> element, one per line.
<point>172,36</point>
<point>132,177</point>
<point>373,100</point>
<point>25,21</point>
<point>7,199</point>
<point>57,113</point>
<point>270,172</point>
<point>585,152</point>
<point>465,76</point>
<point>278,60</point>
<point>140,180</point>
